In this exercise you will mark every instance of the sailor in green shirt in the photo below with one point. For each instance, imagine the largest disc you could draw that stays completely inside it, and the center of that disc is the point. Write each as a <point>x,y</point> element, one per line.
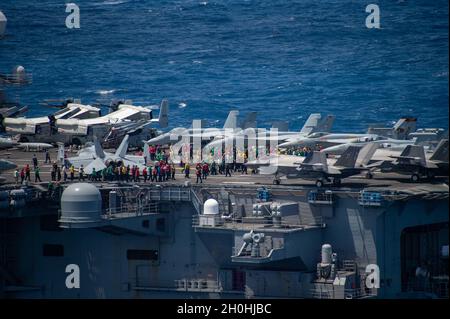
<point>37,176</point>
<point>94,174</point>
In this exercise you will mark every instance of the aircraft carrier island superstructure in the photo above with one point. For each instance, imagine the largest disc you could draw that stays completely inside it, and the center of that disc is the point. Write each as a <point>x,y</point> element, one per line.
<point>225,239</point>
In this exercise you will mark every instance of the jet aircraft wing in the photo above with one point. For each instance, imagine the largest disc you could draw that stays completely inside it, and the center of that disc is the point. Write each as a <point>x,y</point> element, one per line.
<point>97,164</point>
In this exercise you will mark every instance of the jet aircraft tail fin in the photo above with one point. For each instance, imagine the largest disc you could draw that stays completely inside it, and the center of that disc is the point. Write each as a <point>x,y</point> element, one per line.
<point>98,148</point>
<point>146,152</point>
<point>123,147</point>
<point>349,157</point>
<point>281,126</point>
<point>403,127</point>
<point>441,152</point>
<point>250,121</point>
<point>317,123</point>
<point>163,117</point>
<point>366,153</point>
<point>413,152</point>
<point>231,121</point>
<point>314,160</point>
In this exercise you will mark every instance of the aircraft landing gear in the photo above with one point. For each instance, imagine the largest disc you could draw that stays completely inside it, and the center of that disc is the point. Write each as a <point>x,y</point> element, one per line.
<point>76,141</point>
<point>337,182</point>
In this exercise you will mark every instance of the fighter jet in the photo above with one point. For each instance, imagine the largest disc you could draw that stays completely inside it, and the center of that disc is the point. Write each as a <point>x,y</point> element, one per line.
<point>413,161</point>
<point>401,130</point>
<point>6,142</point>
<point>5,165</point>
<point>94,157</point>
<point>387,143</point>
<point>315,123</point>
<point>288,166</point>
<point>425,137</point>
<point>278,165</point>
<point>176,134</point>
<point>326,140</point>
<point>352,162</point>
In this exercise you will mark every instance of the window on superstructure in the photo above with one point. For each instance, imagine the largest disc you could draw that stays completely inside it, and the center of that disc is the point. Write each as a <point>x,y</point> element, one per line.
<point>141,254</point>
<point>51,250</point>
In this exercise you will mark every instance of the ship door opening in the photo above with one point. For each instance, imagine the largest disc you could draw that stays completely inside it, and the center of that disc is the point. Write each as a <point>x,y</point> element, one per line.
<point>238,280</point>
<point>424,259</point>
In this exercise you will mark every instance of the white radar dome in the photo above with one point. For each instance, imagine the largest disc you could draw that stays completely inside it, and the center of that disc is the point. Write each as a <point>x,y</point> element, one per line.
<point>211,207</point>
<point>81,202</point>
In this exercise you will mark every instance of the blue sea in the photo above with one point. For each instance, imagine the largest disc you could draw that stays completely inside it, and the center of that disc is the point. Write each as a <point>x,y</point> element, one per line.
<point>283,59</point>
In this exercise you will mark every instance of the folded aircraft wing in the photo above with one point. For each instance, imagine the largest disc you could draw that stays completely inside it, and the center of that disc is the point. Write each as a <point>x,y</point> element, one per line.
<point>97,164</point>
<point>127,162</point>
<point>77,161</point>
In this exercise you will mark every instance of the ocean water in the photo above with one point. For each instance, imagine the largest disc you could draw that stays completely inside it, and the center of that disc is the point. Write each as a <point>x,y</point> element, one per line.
<point>284,59</point>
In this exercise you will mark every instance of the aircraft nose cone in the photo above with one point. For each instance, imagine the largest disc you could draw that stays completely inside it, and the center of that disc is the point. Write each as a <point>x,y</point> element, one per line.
<point>287,144</point>
<point>283,145</point>
<point>12,165</point>
<point>335,150</point>
<point>6,165</point>
<point>155,140</point>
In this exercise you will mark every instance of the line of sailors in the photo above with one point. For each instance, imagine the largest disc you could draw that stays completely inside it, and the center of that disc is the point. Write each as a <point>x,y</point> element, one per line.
<point>116,171</point>
<point>25,174</point>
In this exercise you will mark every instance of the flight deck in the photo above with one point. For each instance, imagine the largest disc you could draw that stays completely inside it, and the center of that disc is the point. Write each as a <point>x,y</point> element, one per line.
<point>388,180</point>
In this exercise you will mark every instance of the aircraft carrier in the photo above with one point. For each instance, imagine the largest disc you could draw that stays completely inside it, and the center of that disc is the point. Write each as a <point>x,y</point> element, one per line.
<point>229,237</point>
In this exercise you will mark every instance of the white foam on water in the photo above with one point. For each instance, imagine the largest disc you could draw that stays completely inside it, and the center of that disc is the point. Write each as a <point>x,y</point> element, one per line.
<point>105,92</point>
<point>111,2</point>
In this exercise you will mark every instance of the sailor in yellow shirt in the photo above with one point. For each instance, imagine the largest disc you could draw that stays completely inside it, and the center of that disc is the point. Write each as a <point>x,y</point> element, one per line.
<point>72,172</point>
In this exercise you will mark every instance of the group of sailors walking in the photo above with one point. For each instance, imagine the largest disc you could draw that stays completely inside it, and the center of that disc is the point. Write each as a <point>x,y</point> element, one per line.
<point>203,170</point>
<point>160,170</point>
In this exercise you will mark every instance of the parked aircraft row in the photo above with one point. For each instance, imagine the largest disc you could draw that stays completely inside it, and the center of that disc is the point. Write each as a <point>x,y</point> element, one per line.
<point>78,124</point>
<point>412,161</point>
<point>383,149</point>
